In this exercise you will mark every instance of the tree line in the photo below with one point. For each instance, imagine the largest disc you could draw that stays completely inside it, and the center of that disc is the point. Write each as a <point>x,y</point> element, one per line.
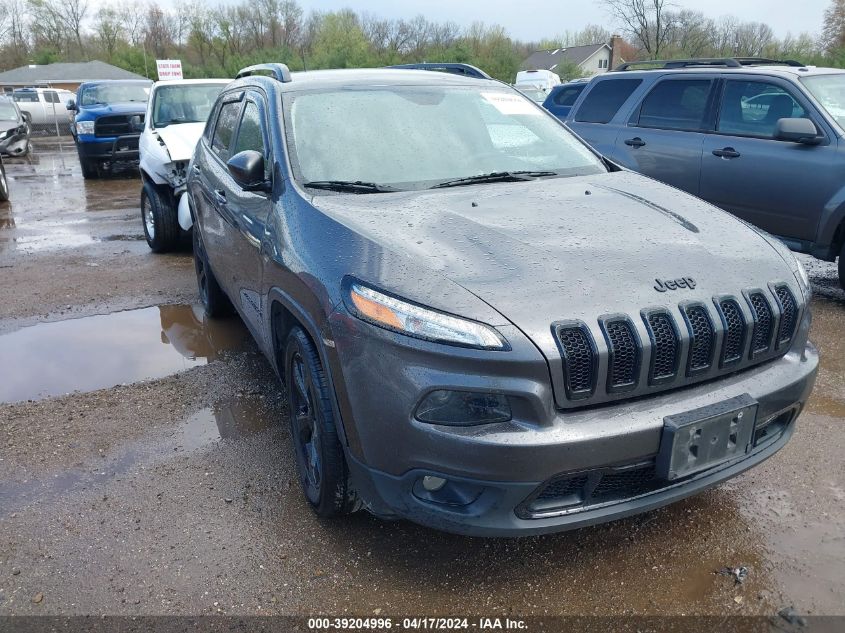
<point>217,41</point>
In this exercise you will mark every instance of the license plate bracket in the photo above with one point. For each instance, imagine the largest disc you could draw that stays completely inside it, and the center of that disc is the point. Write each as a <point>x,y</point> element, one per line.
<point>700,439</point>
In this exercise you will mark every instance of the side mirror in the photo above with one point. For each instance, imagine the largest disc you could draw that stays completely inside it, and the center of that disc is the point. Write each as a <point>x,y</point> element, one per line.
<point>135,124</point>
<point>71,105</point>
<point>26,116</point>
<point>797,131</point>
<point>247,168</point>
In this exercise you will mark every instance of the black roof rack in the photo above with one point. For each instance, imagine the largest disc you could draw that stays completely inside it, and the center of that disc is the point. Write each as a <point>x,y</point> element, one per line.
<point>453,68</point>
<point>705,62</point>
<point>280,72</point>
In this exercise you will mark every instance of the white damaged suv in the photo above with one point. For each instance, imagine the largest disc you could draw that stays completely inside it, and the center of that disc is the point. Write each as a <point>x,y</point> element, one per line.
<point>176,116</point>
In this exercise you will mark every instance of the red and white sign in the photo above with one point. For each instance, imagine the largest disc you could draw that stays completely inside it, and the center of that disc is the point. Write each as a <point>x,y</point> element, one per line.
<point>169,69</point>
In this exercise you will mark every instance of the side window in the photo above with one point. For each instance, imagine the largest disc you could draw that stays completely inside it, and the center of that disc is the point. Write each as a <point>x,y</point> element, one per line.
<point>51,96</point>
<point>225,129</point>
<point>209,124</point>
<point>676,104</point>
<point>567,96</point>
<point>604,100</point>
<point>250,133</point>
<point>752,108</point>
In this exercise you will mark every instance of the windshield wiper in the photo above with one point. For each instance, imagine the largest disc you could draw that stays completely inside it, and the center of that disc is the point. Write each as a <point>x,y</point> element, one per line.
<point>351,186</point>
<point>496,176</point>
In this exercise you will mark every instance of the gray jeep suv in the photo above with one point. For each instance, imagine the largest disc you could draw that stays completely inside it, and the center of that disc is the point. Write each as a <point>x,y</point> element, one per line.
<point>481,325</point>
<point>762,139</point>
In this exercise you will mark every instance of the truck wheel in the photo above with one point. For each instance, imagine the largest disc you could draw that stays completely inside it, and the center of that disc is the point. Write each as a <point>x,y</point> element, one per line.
<point>89,167</point>
<point>158,216</point>
<point>213,299</point>
<point>4,184</point>
<point>842,267</point>
<point>320,462</point>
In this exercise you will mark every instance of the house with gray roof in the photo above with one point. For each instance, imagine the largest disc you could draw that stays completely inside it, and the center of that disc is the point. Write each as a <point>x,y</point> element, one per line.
<point>591,59</point>
<point>67,76</point>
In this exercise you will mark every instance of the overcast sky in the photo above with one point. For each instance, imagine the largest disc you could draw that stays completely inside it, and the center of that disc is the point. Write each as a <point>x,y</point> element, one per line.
<point>535,19</point>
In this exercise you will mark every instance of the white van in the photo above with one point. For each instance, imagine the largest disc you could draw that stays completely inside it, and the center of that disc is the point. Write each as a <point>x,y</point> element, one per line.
<point>540,79</point>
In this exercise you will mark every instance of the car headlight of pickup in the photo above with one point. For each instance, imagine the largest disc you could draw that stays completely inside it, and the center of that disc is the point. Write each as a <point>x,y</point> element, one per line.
<point>392,313</point>
<point>84,127</point>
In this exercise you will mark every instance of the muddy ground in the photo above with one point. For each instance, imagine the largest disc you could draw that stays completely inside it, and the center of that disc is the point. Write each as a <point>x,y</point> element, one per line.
<point>174,493</point>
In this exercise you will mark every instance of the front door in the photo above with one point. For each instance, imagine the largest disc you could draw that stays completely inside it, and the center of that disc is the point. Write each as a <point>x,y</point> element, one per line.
<point>779,186</point>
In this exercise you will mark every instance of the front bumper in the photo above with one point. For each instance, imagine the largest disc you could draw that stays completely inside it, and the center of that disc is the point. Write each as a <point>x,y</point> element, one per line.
<point>497,468</point>
<point>120,148</point>
<point>14,145</point>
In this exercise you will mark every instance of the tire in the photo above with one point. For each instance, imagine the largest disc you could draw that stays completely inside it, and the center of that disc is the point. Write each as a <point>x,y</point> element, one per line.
<point>4,184</point>
<point>842,267</point>
<point>213,299</point>
<point>320,463</point>
<point>158,217</point>
<point>90,169</point>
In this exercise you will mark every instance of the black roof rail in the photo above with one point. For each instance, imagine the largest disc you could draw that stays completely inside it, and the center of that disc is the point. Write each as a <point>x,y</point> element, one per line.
<point>704,62</point>
<point>280,72</point>
<point>454,68</point>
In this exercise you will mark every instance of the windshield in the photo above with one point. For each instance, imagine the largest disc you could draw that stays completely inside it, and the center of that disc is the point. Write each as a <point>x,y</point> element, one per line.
<point>416,137</point>
<point>537,96</point>
<point>7,111</point>
<point>113,93</point>
<point>829,91</point>
<point>28,97</point>
<point>189,103</point>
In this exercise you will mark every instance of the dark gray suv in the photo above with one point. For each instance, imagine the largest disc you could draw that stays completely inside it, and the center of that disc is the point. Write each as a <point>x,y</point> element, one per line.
<point>481,325</point>
<point>762,139</point>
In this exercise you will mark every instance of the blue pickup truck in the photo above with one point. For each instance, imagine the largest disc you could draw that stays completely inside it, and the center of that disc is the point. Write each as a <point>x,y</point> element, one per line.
<point>108,120</point>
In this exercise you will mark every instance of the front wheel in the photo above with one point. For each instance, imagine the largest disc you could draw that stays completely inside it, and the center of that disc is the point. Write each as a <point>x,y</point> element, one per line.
<point>158,216</point>
<point>90,168</point>
<point>4,184</point>
<point>320,463</point>
<point>842,267</point>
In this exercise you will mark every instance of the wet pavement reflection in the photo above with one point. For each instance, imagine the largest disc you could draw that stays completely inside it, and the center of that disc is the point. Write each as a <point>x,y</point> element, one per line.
<point>106,350</point>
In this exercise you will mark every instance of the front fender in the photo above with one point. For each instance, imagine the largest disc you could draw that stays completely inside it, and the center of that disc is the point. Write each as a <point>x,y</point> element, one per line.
<point>832,218</point>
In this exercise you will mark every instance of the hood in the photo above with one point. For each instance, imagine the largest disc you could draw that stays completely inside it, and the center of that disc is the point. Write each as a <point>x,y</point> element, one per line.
<point>8,125</point>
<point>132,107</point>
<point>567,248</point>
<point>181,139</point>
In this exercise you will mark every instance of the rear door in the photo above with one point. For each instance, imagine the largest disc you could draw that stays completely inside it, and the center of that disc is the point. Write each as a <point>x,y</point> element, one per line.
<point>780,186</point>
<point>665,133</point>
<point>598,113</point>
<point>249,211</point>
<point>219,222</point>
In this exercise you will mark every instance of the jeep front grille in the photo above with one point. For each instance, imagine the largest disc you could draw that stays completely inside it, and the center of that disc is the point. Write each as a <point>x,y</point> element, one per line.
<point>624,353</point>
<point>763,323</point>
<point>665,346</point>
<point>788,318</point>
<point>579,358</point>
<point>680,345</point>
<point>734,324</point>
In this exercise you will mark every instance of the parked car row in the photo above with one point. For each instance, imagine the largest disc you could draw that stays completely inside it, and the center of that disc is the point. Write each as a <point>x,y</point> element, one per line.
<point>14,129</point>
<point>482,324</point>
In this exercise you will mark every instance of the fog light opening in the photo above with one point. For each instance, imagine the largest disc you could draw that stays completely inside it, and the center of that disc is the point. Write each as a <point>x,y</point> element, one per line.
<point>457,408</point>
<point>432,483</point>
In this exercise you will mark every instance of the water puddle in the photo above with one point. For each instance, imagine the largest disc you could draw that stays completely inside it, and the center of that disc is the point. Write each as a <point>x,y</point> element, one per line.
<point>234,419</point>
<point>106,350</point>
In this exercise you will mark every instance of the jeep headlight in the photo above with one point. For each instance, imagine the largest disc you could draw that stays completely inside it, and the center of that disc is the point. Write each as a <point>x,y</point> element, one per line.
<point>3,134</point>
<point>803,278</point>
<point>85,127</point>
<point>392,313</point>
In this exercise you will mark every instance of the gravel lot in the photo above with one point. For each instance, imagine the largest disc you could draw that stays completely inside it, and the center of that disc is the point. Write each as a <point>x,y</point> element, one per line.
<point>174,492</point>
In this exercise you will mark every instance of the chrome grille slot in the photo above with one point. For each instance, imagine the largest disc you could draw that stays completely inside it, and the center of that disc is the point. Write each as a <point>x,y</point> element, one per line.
<point>702,339</point>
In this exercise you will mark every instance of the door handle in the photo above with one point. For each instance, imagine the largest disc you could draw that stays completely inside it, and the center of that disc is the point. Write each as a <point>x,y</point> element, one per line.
<point>726,152</point>
<point>635,142</point>
<point>220,196</point>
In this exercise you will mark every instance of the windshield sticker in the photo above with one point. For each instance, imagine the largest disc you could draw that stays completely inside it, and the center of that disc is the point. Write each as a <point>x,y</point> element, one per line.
<point>510,104</point>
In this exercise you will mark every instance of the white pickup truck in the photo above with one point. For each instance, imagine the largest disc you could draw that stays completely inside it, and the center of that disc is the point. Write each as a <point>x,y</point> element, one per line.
<point>46,107</point>
<point>176,115</point>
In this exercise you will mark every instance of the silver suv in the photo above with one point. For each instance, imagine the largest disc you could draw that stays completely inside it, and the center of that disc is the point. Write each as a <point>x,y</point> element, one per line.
<point>762,139</point>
